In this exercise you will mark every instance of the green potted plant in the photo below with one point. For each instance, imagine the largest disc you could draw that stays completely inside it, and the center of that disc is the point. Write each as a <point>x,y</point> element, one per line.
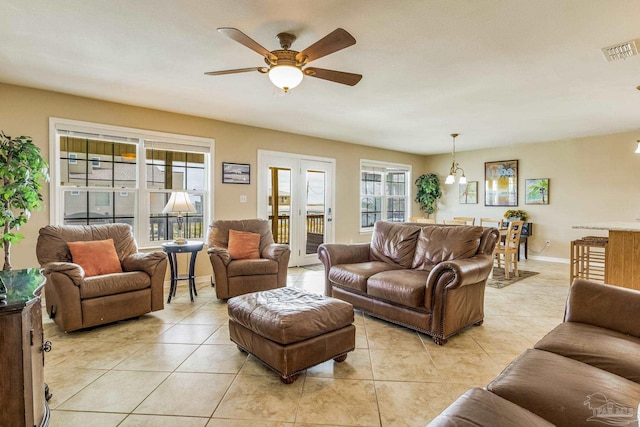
<point>429,192</point>
<point>515,215</point>
<point>22,170</point>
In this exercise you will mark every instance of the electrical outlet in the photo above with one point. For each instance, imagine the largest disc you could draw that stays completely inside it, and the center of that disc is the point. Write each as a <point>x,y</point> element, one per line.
<point>548,243</point>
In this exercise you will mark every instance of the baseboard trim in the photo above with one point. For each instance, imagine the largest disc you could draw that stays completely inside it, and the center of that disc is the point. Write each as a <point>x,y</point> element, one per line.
<point>550,259</point>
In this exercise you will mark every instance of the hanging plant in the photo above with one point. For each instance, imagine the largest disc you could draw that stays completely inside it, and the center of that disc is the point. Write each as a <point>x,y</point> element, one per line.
<point>22,170</point>
<point>429,192</point>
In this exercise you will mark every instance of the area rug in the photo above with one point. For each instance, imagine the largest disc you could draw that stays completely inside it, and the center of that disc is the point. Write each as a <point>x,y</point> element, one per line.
<point>498,280</point>
<point>314,267</point>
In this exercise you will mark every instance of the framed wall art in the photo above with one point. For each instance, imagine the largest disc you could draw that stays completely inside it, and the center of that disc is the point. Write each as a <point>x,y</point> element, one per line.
<point>469,193</point>
<point>536,191</point>
<point>236,173</point>
<point>501,183</point>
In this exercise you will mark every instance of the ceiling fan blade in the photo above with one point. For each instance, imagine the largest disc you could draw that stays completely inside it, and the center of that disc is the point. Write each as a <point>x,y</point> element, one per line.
<point>242,38</point>
<point>238,70</point>
<point>332,42</point>
<point>349,79</point>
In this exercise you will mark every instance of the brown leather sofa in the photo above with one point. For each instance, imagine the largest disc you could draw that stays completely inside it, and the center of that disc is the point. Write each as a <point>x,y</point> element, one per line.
<point>430,278</point>
<point>585,372</point>
<point>75,301</point>
<point>235,277</point>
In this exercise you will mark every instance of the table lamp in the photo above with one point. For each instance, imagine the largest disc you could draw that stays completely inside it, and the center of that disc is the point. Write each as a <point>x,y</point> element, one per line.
<point>179,203</point>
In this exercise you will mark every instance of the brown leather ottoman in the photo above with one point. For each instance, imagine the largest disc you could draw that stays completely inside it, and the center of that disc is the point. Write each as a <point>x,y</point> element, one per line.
<point>290,330</point>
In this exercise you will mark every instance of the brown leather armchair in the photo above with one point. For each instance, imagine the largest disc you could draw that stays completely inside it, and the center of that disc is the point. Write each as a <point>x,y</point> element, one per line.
<point>235,277</point>
<point>75,301</point>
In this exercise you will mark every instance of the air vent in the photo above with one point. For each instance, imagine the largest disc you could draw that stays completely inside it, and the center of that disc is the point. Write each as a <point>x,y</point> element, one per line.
<point>621,50</point>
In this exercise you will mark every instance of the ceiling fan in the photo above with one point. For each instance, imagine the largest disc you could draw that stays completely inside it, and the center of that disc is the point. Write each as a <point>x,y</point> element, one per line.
<point>285,66</point>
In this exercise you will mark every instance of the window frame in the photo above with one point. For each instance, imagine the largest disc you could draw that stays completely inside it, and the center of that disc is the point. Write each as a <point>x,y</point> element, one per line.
<point>384,168</point>
<point>143,137</point>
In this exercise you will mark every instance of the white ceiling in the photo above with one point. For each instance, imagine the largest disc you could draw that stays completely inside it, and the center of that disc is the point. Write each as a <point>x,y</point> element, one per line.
<point>498,72</point>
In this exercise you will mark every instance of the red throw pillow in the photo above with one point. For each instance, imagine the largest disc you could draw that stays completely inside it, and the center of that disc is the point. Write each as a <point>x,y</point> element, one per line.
<point>96,257</point>
<point>244,245</point>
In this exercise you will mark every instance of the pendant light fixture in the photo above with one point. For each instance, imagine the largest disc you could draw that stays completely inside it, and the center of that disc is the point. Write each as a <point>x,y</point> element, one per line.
<point>455,167</point>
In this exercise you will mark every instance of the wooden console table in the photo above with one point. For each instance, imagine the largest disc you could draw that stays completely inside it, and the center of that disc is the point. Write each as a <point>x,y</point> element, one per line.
<point>623,252</point>
<point>23,400</point>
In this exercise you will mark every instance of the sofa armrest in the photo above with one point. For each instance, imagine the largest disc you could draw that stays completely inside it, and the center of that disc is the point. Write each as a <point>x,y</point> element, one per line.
<point>462,272</point>
<point>606,306</point>
<point>331,254</point>
<point>143,261</point>
<point>73,271</point>
<point>335,253</point>
<point>275,251</point>
<point>220,253</point>
<point>457,273</point>
<point>455,293</point>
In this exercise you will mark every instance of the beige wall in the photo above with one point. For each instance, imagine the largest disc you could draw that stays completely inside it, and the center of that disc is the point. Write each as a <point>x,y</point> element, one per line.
<point>27,111</point>
<point>592,179</point>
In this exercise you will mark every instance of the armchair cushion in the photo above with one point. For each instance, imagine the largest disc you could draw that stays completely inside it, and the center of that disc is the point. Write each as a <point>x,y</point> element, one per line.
<point>96,257</point>
<point>112,284</point>
<point>244,245</point>
<point>245,267</point>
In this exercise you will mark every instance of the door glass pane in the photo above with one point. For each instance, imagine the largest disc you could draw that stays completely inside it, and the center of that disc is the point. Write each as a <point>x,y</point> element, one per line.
<point>316,203</point>
<point>279,194</point>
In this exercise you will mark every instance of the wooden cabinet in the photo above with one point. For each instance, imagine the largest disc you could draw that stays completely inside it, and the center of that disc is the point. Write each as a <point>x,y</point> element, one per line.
<point>22,347</point>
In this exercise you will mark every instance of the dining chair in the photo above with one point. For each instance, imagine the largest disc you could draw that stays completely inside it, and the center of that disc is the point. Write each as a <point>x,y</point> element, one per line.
<point>454,222</point>
<point>422,220</point>
<point>509,248</point>
<point>492,222</point>
<point>468,220</point>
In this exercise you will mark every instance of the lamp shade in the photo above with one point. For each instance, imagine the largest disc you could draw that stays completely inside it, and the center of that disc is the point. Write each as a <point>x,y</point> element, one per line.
<point>285,76</point>
<point>638,148</point>
<point>179,203</point>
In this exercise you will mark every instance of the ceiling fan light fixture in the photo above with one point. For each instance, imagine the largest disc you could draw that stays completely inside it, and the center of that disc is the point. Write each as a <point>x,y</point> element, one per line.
<point>286,77</point>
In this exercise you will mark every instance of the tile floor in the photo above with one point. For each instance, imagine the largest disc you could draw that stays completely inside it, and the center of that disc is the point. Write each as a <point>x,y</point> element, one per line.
<point>177,367</point>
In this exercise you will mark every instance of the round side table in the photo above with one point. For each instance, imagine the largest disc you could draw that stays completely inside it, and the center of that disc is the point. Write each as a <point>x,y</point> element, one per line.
<point>172,249</point>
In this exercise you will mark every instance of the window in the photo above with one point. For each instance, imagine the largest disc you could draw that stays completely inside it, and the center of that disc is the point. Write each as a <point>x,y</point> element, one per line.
<point>106,174</point>
<point>384,193</point>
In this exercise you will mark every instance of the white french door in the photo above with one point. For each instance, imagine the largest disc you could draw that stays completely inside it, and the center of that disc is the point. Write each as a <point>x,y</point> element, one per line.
<point>296,195</point>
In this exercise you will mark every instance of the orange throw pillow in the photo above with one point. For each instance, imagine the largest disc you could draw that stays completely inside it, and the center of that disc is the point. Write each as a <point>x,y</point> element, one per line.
<point>96,257</point>
<point>244,245</point>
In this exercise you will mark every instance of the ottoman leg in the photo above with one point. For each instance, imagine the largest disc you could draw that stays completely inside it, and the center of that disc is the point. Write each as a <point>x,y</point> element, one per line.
<point>341,358</point>
<point>290,379</point>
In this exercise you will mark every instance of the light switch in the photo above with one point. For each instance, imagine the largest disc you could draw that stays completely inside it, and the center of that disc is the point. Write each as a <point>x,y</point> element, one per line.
<point>243,198</point>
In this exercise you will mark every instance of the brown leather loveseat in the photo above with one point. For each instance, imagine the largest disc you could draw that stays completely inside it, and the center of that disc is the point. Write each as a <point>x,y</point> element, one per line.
<point>585,372</point>
<point>430,278</point>
<point>76,301</point>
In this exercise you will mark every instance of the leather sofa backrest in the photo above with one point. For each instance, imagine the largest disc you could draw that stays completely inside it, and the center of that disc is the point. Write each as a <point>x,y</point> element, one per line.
<point>394,243</point>
<point>219,231</point>
<point>438,243</point>
<point>52,240</point>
